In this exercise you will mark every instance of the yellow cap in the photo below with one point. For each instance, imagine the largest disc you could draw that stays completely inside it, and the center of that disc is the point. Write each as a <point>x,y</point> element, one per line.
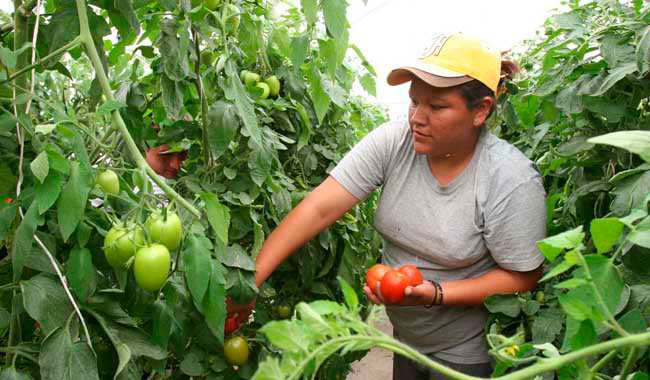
<point>450,60</point>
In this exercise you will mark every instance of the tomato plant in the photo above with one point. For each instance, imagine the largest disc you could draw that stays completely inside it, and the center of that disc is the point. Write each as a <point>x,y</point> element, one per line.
<point>375,274</point>
<point>413,274</point>
<point>236,350</point>
<point>392,285</point>
<point>165,228</point>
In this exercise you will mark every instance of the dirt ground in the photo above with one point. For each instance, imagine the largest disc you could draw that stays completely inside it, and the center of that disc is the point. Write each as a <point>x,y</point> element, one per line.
<point>378,364</point>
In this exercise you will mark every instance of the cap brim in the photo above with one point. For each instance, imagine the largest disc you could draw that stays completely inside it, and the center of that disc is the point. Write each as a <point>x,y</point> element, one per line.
<point>442,78</point>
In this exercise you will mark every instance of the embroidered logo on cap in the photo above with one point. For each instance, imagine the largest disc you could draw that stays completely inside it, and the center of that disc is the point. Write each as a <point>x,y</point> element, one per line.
<point>436,44</point>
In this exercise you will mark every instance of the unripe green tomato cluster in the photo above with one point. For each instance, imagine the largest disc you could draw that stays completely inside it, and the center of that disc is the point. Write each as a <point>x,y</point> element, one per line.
<point>121,243</point>
<point>270,86</point>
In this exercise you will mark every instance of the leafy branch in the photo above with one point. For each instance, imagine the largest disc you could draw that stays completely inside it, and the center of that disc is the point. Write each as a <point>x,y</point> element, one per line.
<point>118,122</point>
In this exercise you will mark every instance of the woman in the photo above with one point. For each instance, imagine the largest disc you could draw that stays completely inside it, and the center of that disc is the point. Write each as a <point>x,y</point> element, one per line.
<point>462,205</point>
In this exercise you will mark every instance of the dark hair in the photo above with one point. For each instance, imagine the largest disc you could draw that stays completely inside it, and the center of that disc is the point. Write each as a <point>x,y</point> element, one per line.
<point>474,91</point>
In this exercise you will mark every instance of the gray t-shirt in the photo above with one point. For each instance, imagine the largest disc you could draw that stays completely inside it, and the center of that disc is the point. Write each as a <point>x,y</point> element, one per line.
<point>492,214</point>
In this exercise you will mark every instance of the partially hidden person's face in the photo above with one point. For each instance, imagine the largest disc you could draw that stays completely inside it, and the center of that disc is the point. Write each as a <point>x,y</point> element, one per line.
<point>440,120</point>
<point>167,165</point>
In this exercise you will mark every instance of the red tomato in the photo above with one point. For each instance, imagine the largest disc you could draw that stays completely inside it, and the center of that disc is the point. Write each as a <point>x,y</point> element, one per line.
<point>413,273</point>
<point>375,274</point>
<point>392,286</point>
<point>9,201</point>
<point>231,324</point>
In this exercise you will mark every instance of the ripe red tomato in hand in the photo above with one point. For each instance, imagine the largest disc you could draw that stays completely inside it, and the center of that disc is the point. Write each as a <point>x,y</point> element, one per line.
<point>230,325</point>
<point>392,286</point>
<point>413,273</point>
<point>375,274</point>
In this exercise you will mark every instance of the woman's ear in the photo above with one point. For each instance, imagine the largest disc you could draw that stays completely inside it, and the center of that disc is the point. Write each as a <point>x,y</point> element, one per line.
<point>482,111</point>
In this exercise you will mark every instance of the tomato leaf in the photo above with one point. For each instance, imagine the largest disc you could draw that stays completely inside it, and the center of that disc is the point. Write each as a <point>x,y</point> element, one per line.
<point>351,298</point>
<point>24,239</point>
<point>72,203</point>
<point>335,19</point>
<point>554,245</point>
<point>310,9</point>
<point>299,46</point>
<point>48,192</point>
<point>40,166</point>
<point>10,373</point>
<point>286,335</point>
<point>218,216</point>
<point>172,96</point>
<point>214,302</point>
<point>46,302</point>
<point>605,232</point>
<point>237,257</point>
<point>80,273</point>
<point>235,91</point>
<point>61,359</point>
<point>318,95</point>
<point>196,261</point>
<point>223,125</point>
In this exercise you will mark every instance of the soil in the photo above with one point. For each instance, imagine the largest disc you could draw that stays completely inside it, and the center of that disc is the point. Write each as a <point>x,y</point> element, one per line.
<point>378,364</point>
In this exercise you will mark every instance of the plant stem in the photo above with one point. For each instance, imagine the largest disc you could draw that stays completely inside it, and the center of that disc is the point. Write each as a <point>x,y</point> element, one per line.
<point>118,122</point>
<point>629,362</point>
<point>18,351</point>
<point>603,361</point>
<point>70,45</point>
<point>204,106</point>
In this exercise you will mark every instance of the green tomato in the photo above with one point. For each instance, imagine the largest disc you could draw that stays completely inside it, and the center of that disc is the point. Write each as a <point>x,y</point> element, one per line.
<point>236,350</point>
<point>242,75</point>
<point>109,182</point>
<point>212,4</point>
<point>208,57</point>
<point>232,17</point>
<point>166,232</point>
<point>265,89</point>
<point>121,243</point>
<point>539,296</point>
<point>284,311</point>
<point>274,85</point>
<point>251,78</point>
<point>151,266</point>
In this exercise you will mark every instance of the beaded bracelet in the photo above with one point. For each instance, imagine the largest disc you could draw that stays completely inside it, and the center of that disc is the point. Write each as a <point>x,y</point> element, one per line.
<point>437,298</point>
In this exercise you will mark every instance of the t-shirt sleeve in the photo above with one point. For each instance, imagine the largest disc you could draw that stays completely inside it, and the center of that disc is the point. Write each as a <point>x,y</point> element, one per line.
<point>363,168</point>
<point>515,225</point>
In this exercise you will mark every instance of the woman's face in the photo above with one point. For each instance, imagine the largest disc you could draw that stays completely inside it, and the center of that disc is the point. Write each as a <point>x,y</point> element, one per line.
<point>167,165</point>
<point>440,120</point>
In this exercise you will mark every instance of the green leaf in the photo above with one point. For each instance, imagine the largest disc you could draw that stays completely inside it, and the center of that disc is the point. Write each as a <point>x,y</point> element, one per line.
<point>235,90</point>
<point>633,322</point>
<point>214,303</point>
<point>643,52</point>
<point>547,325</point>
<point>80,273</point>
<point>172,96</point>
<point>607,280</point>
<point>10,373</point>
<point>218,216</point>
<point>40,166</point>
<point>72,203</point>
<point>615,75</point>
<point>631,193</point>
<point>173,53</point>
<point>196,261</point>
<point>310,9</point>
<point>24,239</point>
<point>634,141</point>
<point>223,125</point>
<point>48,192</point>
<point>237,257</point>
<point>260,162</point>
<point>7,217</point>
<point>368,83</point>
<point>269,369</point>
<point>46,302</point>
<point>286,335</point>
<point>605,233</point>
<point>586,335</point>
<point>298,48</point>
<point>163,323</point>
<point>328,53</point>
<point>349,294</point>
<point>562,267</point>
<point>313,320</point>
<point>319,97</point>
<point>571,283</point>
<point>305,130</point>
<point>324,307</point>
<point>574,307</point>
<point>125,7</point>
<point>554,245</point>
<point>8,57</point>
<point>335,19</point>
<point>62,359</point>
<point>506,304</point>
<point>109,106</point>
<point>191,365</point>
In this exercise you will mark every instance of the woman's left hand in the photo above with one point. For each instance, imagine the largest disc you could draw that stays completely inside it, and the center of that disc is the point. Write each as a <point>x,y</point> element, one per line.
<point>413,295</point>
